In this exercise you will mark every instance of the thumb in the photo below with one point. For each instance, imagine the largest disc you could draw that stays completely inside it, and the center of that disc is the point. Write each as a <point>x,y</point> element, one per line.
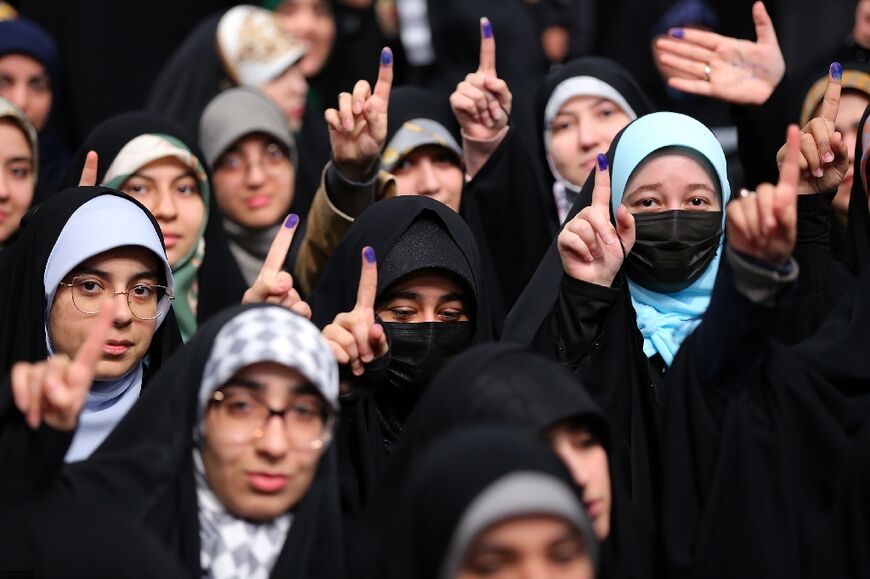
<point>764,31</point>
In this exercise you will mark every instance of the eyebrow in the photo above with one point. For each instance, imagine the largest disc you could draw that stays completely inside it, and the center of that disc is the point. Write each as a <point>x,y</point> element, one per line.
<point>658,187</point>
<point>106,275</point>
<point>20,159</point>
<point>416,296</point>
<point>186,174</point>
<point>305,388</point>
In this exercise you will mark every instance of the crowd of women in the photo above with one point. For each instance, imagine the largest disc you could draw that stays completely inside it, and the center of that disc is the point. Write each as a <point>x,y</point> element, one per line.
<point>430,313</point>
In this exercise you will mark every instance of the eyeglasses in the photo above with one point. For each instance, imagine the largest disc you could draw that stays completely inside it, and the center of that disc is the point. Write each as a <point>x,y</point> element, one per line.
<point>146,301</point>
<point>241,416</point>
<point>271,158</point>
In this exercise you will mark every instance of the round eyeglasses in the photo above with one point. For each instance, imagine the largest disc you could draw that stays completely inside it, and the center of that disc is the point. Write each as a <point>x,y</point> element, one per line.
<point>241,416</point>
<point>146,301</point>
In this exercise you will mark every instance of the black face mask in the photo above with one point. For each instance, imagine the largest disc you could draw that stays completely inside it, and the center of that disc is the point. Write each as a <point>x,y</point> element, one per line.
<point>673,248</point>
<point>417,351</point>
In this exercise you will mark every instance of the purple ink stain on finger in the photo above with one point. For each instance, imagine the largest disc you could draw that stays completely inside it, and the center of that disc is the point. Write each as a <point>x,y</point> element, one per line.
<point>369,254</point>
<point>602,162</point>
<point>836,70</point>
<point>386,57</point>
<point>291,221</point>
<point>487,29</point>
<point>678,33</point>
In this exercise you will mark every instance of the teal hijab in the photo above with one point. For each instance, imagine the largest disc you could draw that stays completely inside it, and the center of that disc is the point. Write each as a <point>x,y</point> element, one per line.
<point>665,320</point>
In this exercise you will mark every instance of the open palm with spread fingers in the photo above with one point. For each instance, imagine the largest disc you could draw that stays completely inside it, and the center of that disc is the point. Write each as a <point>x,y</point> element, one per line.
<point>54,391</point>
<point>764,224</point>
<point>482,102</point>
<point>355,336</point>
<point>824,156</point>
<point>358,128</point>
<point>734,70</point>
<point>274,285</point>
<point>590,247</point>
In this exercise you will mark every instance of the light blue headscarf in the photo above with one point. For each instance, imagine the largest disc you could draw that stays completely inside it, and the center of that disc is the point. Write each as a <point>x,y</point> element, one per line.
<point>665,320</point>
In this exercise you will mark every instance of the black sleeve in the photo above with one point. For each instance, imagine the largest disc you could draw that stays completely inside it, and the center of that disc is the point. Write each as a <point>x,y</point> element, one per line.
<point>823,279</point>
<point>579,318</point>
<point>505,207</point>
<point>760,134</point>
<point>30,460</point>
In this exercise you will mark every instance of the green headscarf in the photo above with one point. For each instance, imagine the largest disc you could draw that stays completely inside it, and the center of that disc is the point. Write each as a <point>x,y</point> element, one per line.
<point>136,154</point>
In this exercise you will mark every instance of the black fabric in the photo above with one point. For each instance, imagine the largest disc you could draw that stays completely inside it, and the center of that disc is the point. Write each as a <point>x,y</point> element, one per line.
<point>501,384</point>
<point>145,471</point>
<point>444,481</point>
<point>220,280</point>
<point>365,431</point>
<point>857,257</point>
<point>753,448</point>
<point>194,75</point>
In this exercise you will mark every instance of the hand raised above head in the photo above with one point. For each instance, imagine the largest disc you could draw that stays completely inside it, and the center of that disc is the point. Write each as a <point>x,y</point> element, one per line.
<point>730,69</point>
<point>54,390</point>
<point>482,102</point>
<point>824,156</point>
<point>590,247</point>
<point>355,337</point>
<point>358,128</point>
<point>274,285</point>
<point>89,170</point>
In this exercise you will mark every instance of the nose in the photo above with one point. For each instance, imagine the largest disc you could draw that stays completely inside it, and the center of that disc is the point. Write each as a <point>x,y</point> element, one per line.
<point>254,175</point>
<point>427,180</point>
<point>587,136</point>
<point>274,442</point>
<point>166,209</point>
<point>17,95</point>
<point>123,314</point>
<point>4,186</point>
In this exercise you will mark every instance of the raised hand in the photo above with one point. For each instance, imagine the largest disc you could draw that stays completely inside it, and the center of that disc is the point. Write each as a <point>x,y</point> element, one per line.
<point>482,102</point>
<point>274,285</point>
<point>591,248</point>
<point>824,156</point>
<point>730,69</point>
<point>764,224</point>
<point>54,390</point>
<point>89,171</point>
<point>354,336</point>
<point>358,129</point>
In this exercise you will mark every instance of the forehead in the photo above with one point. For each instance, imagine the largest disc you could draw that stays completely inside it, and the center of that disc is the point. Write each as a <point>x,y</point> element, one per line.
<point>581,103</point>
<point>12,139</point>
<point>427,282</point>
<point>21,64</point>
<point>429,151</point>
<point>669,166</point>
<point>271,376</point>
<point>123,258</point>
<point>524,531</point>
<point>251,142</point>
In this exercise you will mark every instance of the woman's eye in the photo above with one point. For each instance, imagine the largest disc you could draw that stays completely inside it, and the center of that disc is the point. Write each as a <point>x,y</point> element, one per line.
<point>646,203</point>
<point>136,189</point>
<point>20,172</point>
<point>561,125</point>
<point>187,190</point>
<point>274,152</point>
<point>89,286</point>
<point>698,202</point>
<point>450,315</point>
<point>402,313</point>
<point>230,162</point>
<point>142,291</point>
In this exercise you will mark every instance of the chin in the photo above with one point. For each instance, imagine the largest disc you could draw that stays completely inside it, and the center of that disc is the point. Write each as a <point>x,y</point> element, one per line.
<point>261,508</point>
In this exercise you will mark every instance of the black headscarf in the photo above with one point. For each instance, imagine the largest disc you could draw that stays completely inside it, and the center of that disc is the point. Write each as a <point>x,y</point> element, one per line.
<point>534,303</point>
<point>375,415</point>
<point>220,280</point>
<point>195,74</point>
<point>22,294</point>
<point>145,471</point>
<point>858,259</point>
<point>501,384</point>
<point>444,484</point>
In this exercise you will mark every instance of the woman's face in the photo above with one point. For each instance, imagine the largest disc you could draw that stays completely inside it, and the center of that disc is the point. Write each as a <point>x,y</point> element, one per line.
<point>17,178</point>
<point>25,83</point>
<point>257,467</point>
<point>424,297</point>
<point>254,182</point>
<point>170,191</point>
<point>668,182</point>
<point>432,171</point>
<point>586,459</point>
<point>117,270</point>
<point>584,127</point>
<point>528,547</point>
<point>312,22</point>
<point>289,92</point>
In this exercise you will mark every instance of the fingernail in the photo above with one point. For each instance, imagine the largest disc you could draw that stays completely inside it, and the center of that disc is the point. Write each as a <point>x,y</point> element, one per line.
<point>386,57</point>
<point>836,70</point>
<point>487,28</point>
<point>291,221</point>
<point>828,157</point>
<point>678,33</point>
<point>602,162</point>
<point>818,173</point>
<point>369,254</point>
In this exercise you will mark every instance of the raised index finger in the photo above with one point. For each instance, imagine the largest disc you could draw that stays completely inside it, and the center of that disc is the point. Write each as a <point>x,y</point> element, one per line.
<point>281,245</point>
<point>789,173</point>
<point>385,75</point>
<point>487,48</point>
<point>368,280</point>
<point>81,370</point>
<point>831,101</point>
<point>601,192</point>
<point>89,171</point>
